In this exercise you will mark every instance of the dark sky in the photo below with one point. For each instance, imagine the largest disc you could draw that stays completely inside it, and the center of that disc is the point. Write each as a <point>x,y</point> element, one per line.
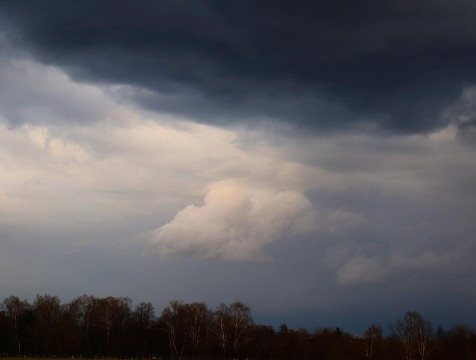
<point>315,160</point>
<point>389,65</point>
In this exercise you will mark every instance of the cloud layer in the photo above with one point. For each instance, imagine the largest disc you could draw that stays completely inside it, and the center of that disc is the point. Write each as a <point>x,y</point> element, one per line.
<point>117,162</point>
<point>385,65</point>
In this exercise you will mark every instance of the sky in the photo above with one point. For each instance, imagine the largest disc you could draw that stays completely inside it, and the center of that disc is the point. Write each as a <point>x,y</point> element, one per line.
<point>315,160</point>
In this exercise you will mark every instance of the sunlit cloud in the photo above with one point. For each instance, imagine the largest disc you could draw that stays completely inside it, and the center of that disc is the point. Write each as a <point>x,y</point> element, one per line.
<point>235,222</point>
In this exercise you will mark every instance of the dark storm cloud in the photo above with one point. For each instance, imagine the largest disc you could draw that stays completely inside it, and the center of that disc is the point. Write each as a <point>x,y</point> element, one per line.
<point>394,65</point>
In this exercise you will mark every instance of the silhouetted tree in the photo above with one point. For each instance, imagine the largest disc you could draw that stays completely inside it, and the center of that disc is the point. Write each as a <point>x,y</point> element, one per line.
<point>15,309</point>
<point>82,308</point>
<point>197,322</point>
<point>112,314</point>
<point>372,337</point>
<point>144,319</point>
<point>108,326</point>
<point>172,321</point>
<point>415,334</point>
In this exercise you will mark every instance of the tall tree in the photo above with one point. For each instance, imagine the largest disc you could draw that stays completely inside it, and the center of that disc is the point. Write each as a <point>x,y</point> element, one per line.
<point>47,307</point>
<point>83,309</point>
<point>415,334</point>
<point>222,327</point>
<point>231,326</point>
<point>14,309</point>
<point>241,323</point>
<point>143,321</point>
<point>197,322</point>
<point>46,311</point>
<point>144,315</point>
<point>172,322</point>
<point>112,313</point>
<point>372,337</point>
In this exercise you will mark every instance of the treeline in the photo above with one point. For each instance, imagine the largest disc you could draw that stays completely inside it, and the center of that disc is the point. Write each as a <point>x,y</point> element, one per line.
<point>90,327</point>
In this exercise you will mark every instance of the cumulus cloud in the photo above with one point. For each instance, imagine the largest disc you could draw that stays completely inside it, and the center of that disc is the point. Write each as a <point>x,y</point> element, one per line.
<point>235,222</point>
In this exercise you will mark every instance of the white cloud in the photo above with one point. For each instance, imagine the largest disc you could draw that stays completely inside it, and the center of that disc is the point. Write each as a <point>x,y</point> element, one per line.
<point>235,222</point>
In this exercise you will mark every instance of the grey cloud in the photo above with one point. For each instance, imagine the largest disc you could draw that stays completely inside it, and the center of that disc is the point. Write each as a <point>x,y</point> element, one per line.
<point>37,94</point>
<point>361,270</point>
<point>385,65</point>
<point>365,270</point>
<point>463,114</point>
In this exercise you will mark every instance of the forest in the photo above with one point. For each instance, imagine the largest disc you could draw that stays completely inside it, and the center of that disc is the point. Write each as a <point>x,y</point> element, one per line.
<point>93,327</point>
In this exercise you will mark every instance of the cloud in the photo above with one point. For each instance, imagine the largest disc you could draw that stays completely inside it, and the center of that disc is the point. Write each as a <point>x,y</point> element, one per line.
<point>463,114</point>
<point>348,216</point>
<point>235,222</point>
<point>115,162</point>
<point>428,260</point>
<point>361,270</point>
<point>341,221</point>
<point>367,270</point>
<point>385,65</point>
<point>39,94</point>
<point>398,201</point>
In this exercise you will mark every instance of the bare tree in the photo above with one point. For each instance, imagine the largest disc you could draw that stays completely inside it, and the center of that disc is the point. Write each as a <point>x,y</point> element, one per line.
<point>425,332</point>
<point>172,321</point>
<point>241,321</point>
<point>415,335</point>
<point>232,325</point>
<point>222,325</point>
<point>48,307</point>
<point>15,308</point>
<point>112,312</point>
<point>197,321</point>
<point>144,314</point>
<point>83,308</point>
<point>372,336</point>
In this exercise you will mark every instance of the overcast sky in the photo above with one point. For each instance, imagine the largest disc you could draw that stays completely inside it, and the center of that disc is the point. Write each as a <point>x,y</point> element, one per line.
<point>315,161</point>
